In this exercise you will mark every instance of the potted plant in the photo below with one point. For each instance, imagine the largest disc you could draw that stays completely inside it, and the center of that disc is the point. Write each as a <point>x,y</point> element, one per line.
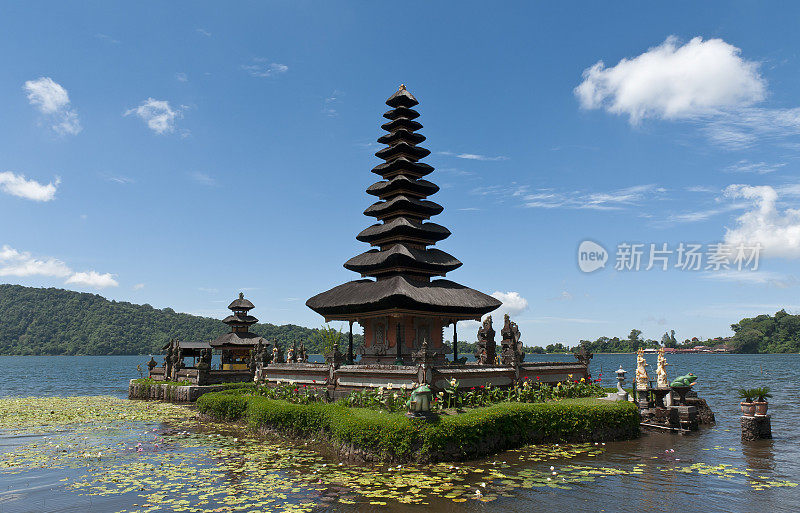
<point>762,393</point>
<point>747,395</point>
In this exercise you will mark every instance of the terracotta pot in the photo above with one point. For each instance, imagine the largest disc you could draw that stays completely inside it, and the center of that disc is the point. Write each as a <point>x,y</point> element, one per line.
<point>748,409</point>
<point>761,407</point>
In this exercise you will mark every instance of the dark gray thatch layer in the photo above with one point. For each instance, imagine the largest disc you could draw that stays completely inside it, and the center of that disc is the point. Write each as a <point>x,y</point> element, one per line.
<point>422,208</point>
<point>401,135</point>
<point>401,227</point>
<point>403,149</point>
<point>429,261</point>
<point>402,124</point>
<point>421,188</point>
<point>401,112</point>
<point>240,319</point>
<point>241,304</point>
<point>402,165</point>
<point>237,339</point>
<point>438,296</point>
<point>402,98</point>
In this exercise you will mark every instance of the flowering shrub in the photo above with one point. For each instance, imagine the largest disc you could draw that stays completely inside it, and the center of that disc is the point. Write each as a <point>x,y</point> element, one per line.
<point>525,391</point>
<point>389,398</point>
<point>293,393</point>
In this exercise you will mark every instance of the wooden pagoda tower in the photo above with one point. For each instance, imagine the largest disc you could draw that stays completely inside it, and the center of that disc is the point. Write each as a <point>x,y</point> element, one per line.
<point>401,303</point>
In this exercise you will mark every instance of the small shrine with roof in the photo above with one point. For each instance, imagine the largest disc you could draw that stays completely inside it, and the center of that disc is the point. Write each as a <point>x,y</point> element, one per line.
<point>402,303</point>
<point>235,346</point>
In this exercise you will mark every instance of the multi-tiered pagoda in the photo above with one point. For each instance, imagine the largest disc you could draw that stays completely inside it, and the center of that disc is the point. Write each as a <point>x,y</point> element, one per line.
<point>235,346</point>
<point>401,298</point>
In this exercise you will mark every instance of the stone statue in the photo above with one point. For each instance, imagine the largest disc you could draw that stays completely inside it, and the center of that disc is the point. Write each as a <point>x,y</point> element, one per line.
<point>205,358</point>
<point>641,371</point>
<point>168,361</point>
<point>486,349</point>
<point>151,364</point>
<point>512,349</point>
<point>277,353</point>
<point>290,355</point>
<point>661,370</point>
<point>302,354</point>
<point>583,355</point>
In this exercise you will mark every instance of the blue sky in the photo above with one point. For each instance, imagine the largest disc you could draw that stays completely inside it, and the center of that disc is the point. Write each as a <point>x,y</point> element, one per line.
<point>177,153</point>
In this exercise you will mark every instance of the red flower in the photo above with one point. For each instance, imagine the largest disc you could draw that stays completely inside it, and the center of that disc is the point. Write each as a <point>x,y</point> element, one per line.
<point>537,377</point>
<point>295,390</point>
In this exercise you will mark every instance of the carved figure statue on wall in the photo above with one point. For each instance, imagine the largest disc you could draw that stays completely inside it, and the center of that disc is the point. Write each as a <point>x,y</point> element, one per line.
<point>168,361</point>
<point>277,353</point>
<point>177,361</point>
<point>486,352</point>
<point>511,348</point>
<point>205,360</point>
<point>661,370</point>
<point>641,371</point>
<point>290,354</point>
<point>302,354</point>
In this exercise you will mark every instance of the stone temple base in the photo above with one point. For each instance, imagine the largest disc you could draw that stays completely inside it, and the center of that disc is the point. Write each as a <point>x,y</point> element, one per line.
<point>343,379</point>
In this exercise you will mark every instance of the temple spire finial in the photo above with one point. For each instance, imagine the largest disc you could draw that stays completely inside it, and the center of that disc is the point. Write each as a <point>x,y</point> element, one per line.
<point>241,295</point>
<point>402,87</point>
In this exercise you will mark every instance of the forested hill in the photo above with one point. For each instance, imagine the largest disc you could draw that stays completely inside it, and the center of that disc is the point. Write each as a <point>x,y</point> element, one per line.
<point>36,321</point>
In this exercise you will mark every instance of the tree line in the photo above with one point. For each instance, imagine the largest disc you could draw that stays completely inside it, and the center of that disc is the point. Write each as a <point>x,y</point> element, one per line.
<point>50,321</point>
<point>39,321</point>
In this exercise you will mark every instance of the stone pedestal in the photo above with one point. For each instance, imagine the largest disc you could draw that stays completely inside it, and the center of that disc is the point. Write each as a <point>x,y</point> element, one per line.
<point>756,428</point>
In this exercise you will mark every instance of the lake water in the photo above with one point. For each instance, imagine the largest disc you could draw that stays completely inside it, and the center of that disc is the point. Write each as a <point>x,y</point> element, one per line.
<point>144,465</point>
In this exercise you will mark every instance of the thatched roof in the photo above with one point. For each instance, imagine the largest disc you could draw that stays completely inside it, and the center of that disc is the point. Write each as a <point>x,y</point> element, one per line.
<point>437,296</point>
<point>241,303</point>
<point>402,165</point>
<point>401,112</point>
<point>420,208</point>
<point>403,185</point>
<point>402,98</point>
<point>401,228</point>
<point>433,261</point>
<point>237,339</point>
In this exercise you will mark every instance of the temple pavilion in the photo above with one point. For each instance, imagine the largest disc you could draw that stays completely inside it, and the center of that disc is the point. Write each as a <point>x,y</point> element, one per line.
<point>402,301</point>
<point>235,346</point>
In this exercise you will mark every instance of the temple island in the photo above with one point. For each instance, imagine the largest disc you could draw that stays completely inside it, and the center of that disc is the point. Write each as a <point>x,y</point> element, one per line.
<point>402,302</point>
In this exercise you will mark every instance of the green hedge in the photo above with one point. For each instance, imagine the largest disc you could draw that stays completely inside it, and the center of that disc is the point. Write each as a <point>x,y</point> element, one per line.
<point>393,436</point>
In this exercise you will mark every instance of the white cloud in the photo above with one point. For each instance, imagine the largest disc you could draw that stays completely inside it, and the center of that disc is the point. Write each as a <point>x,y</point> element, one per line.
<point>674,82</point>
<point>93,279</point>
<point>777,231</point>
<point>759,168</point>
<point>203,32</point>
<point>22,264</point>
<point>138,286</point>
<point>18,185</point>
<point>329,107</point>
<point>262,68</point>
<point>765,278</point>
<point>158,115</point>
<point>612,200</point>
<point>52,100</point>
<point>513,303</point>
<point>472,156</point>
<point>742,128</point>
<point>181,77</point>
<point>203,179</point>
